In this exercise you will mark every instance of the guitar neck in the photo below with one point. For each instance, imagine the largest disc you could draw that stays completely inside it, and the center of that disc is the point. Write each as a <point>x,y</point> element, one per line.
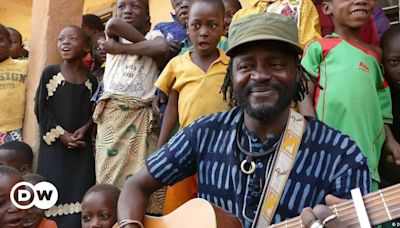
<point>381,206</point>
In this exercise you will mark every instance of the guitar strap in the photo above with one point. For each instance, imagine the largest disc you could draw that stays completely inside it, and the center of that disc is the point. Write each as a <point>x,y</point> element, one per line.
<point>286,156</point>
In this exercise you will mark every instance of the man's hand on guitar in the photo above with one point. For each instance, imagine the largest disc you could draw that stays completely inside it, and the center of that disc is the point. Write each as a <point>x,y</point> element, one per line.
<point>319,217</point>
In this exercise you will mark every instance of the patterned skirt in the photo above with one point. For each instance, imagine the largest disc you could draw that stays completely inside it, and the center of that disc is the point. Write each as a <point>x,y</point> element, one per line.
<point>124,140</point>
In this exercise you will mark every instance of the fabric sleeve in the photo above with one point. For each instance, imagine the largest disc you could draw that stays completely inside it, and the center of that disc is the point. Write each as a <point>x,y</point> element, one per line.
<point>166,78</point>
<point>154,34</point>
<point>309,28</point>
<point>350,170</point>
<point>312,58</point>
<point>385,102</point>
<point>174,161</point>
<point>49,128</point>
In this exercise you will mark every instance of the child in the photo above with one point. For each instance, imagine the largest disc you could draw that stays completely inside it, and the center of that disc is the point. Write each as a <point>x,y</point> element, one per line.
<point>10,216</point>
<point>17,50</point>
<point>91,25</point>
<point>198,76</point>
<point>231,7</point>
<point>391,60</point>
<point>99,63</point>
<point>13,75</point>
<point>175,31</point>
<point>303,12</point>
<point>18,155</point>
<point>99,206</point>
<point>355,98</point>
<point>123,114</point>
<point>63,110</point>
<point>34,217</point>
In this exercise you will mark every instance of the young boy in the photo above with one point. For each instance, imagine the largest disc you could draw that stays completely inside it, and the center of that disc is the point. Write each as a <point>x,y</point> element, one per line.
<point>355,98</point>
<point>391,60</point>
<point>303,12</point>
<point>175,32</point>
<point>123,114</point>
<point>390,163</point>
<point>17,50</point>
<point>13,75</point>
<point>99,206</point>
<point>34,217</point>
<point>91,25</point>
<point>18,155</point>
<point>10,215</point>
<point>231,7</point>
<point>197,75</point>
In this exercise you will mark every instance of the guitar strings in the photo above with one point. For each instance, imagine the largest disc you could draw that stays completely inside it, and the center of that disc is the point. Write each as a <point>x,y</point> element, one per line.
<point>348,206</point>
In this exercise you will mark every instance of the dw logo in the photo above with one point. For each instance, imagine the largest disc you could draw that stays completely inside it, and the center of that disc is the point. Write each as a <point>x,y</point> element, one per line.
<point>43,195</point>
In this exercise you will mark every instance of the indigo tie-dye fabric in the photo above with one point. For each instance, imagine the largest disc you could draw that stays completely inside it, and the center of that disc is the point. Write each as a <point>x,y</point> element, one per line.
<point>328,162</point>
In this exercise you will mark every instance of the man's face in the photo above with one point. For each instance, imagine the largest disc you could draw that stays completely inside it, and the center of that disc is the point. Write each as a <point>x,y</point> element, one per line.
<point>264,78</point>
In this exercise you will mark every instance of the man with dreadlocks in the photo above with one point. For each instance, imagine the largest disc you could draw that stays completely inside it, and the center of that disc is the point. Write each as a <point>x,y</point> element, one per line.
<point>259,146</point>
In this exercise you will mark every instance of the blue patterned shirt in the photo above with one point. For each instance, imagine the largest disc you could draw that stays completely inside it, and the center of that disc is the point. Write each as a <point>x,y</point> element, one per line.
<point>172,30</point>
<point>327,162</point>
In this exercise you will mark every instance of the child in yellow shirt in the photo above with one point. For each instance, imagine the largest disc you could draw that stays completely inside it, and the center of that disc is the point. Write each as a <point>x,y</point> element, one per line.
<point>13,75</point>
<point>193,81</point>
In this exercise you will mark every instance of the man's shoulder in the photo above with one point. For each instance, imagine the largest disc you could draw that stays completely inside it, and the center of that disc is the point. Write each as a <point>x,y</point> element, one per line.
<point>318,134</point>
<point>221,120</point>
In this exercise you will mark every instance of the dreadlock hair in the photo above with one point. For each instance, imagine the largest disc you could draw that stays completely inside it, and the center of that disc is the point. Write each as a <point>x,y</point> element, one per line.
<point>301,89</point>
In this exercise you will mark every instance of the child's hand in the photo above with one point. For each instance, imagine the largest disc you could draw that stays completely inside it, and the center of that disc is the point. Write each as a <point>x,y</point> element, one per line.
<point>76,145</point>
<point>110,46</point>
<point>66,138</point>
<point>79,134</point>
<point>392,148</point>
<point>174,48</point>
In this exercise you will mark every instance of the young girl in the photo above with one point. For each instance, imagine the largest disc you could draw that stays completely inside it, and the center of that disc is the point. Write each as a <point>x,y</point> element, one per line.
<point>99,206</point>
<point>63,110</point>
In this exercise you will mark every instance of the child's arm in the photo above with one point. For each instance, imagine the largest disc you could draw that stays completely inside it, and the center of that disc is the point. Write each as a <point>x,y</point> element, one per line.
<point>391,146</point>
<point>141,46</point>
<point>170,119</point>
<point>311,61</point>
<point>118,28</point>
<point>306,106</point>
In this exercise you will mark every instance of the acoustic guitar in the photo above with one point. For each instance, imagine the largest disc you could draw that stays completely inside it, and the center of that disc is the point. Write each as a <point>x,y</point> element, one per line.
<point>381,207</point>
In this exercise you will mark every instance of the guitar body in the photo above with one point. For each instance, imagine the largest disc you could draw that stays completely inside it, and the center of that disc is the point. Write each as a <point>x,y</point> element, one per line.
<point>196,213</point>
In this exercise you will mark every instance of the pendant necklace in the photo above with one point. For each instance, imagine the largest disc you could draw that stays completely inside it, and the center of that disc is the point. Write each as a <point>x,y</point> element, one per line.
<point>248,166</point>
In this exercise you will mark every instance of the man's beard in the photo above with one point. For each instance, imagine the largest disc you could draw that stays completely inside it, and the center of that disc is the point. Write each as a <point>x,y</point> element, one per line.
<point>265,112</point>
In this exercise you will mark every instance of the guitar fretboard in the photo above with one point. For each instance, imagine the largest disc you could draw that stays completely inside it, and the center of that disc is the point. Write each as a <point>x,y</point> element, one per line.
<point>381,206</point>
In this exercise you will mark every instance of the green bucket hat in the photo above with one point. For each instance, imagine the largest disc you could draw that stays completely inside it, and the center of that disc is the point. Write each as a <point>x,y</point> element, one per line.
<point>263,26</point>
